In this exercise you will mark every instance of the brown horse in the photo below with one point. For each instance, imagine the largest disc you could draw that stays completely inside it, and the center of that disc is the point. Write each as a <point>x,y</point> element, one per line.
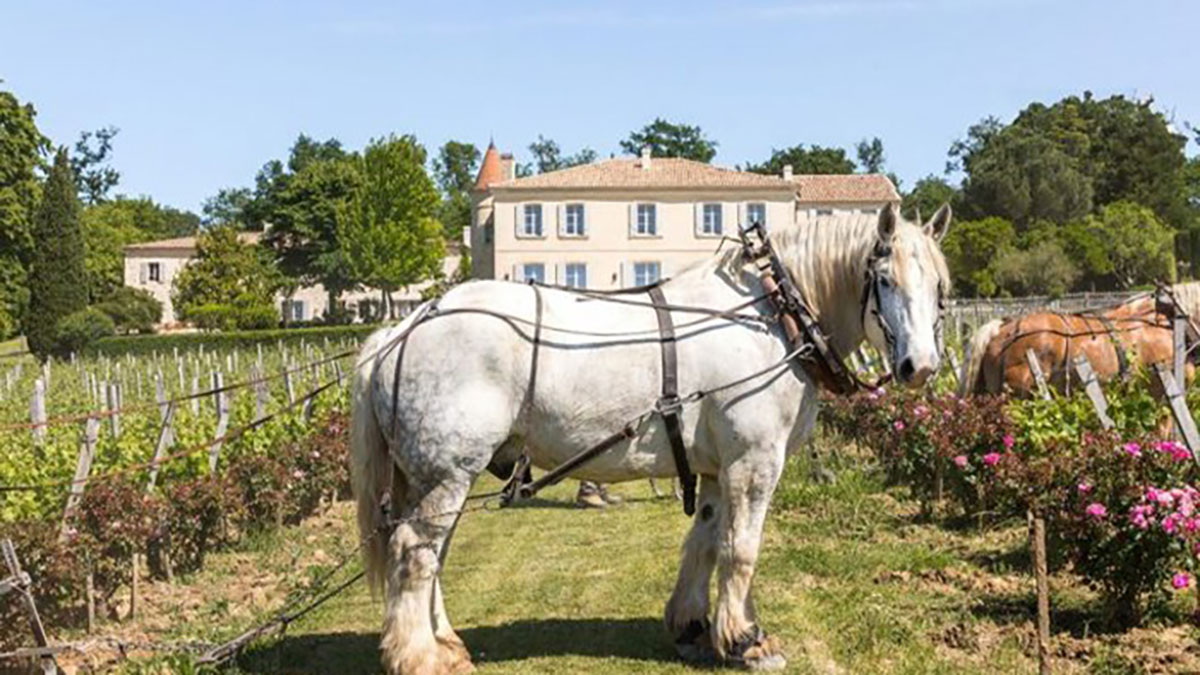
<point>1115,341</point>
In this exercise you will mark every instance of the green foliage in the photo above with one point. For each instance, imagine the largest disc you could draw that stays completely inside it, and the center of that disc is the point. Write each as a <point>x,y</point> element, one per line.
<point>227,207</point>
<point>870,155</point>
<point>1138,247</point>
<point>110,226</point>
<point>388,233</point>
<point>94,178</point>
<point>232,317</point>
<point>971,248</point>
<point>548,156</point>
<point>927,196</point>
<point>1042,269</point>
<point>75,331</point>
<point>303,217</point>
<point>1023,176</point>
<point>454,168</point>
<point>57,274</point>
<point>812,160</point>
<point>146,344</point>
<point>22,148</point>
<point>668,139</point>
<point>133,310</point>
<point>226,272</point>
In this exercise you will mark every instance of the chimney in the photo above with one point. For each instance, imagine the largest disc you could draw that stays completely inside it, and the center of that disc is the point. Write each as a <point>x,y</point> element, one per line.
<point>787,171</point>
<point>645,157</point>
<point>508,168</point>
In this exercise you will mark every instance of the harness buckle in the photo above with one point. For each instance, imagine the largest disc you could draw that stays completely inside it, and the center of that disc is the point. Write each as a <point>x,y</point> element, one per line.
<point>668,405</point>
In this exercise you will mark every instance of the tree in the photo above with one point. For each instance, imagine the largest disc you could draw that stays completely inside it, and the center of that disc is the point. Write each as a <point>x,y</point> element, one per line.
<point>133,310</point>
<point>110,226</point>
<point>971,247</point>
<point>1044,269</point>
<point>1022,176</point>
<point>227,207</point>
<point>667,139</point>
<point>814,160</point>
<point>22,148</point>
<point>228,277</point>
<point>548,156</point>
<point>1139,246</point>
<point>88,162</point>
<point>870,155</point>
<point>272,179</point>
<point>455,168</point>
<point>387,230</point>
<point>57,276</point>
<point>927,196</point>
<point>303,218</point>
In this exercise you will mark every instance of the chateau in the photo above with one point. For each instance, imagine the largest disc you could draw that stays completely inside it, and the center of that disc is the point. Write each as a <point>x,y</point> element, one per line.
<point>629,221</point>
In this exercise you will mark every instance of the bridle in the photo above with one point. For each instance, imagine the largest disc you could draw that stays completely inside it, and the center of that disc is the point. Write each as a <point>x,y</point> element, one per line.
<point>876,280</point>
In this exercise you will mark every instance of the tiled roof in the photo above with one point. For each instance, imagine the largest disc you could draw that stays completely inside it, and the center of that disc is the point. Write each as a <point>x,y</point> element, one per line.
<point>870,187</point>
<point>186,243</point>
<point>490,170</point>
<point>627,172</point>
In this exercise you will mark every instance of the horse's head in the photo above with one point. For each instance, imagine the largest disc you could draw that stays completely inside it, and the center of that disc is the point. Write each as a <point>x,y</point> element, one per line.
<point>907,280</point>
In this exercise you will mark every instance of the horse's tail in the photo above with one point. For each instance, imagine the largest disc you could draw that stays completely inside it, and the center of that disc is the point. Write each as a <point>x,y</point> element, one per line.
<point>371,464</point>
<point>973,364</point>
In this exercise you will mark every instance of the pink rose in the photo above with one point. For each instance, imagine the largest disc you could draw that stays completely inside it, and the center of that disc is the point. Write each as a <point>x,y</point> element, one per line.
<point>961,461</point>
<point>1009,441</point>
<point>991,459</point>
<point>1133,449</point>
<point>1181,581</point>
<point>898,425</point>
<point>1084,488</point>
<point>920,411</point>
<point>1096,510</point>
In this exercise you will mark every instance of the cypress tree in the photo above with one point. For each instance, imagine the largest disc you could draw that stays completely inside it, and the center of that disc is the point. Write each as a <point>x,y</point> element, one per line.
<point>57,277</point>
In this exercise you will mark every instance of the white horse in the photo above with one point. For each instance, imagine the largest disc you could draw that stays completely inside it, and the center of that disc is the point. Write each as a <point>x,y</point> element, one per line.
<point>463,401</point>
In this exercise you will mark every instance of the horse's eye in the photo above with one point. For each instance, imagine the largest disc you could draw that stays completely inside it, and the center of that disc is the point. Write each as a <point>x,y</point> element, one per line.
<point>885,282</point>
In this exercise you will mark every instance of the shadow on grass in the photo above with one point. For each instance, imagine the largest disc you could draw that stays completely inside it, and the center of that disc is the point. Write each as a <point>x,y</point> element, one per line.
<point>1079,621</point>
<point>642,639</point>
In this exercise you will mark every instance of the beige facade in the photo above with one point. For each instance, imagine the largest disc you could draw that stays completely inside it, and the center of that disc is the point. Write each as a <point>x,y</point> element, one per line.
<point>153,266</point>
<point>625,222</point>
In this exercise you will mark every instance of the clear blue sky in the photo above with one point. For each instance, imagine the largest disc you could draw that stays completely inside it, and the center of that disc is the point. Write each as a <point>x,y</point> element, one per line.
<point>207,92</point>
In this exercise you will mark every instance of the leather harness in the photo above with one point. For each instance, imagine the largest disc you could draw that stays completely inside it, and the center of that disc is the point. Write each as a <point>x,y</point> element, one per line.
<point>669,406</point>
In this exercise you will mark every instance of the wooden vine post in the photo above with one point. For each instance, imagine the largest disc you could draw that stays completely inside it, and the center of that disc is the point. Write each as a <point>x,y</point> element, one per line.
<point>1039,377</point>
<point>1037,545</point>
<point>1179,410</point>
<point>1091,387</point>
<point>83,468</point>
<point>19,582</point>
<point>37,410</point>
<point>222,403</point>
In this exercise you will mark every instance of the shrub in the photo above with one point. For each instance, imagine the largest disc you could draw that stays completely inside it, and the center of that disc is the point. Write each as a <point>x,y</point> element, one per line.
<point>74,332</point>
<point>145,344</point>
<point>133,310</point>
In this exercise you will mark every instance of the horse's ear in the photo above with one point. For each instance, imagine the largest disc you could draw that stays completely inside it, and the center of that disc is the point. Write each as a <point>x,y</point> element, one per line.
<point>887,222</point>
<point>939,224</point>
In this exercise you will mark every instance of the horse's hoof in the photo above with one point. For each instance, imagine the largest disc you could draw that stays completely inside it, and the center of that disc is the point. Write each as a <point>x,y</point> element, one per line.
<point>694,644</point>
<point>758,652</point>
<point>455,659</point>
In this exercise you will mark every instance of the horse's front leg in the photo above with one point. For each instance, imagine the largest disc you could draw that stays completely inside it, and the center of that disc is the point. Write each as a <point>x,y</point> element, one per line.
<point>746,489</point>
<point>687,610</point>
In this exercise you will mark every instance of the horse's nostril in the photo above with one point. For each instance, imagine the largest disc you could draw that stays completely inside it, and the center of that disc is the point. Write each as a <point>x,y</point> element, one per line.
<point>907,369</point>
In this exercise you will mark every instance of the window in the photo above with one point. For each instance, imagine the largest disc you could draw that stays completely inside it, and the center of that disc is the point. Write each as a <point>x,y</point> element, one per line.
<point>576,275</point>
<point>297,310</point>
<point>154,270</point>
<point>532,225</point>
<point>869,212</point>
<point>645,273</point>
<point>535,272</point>
<point>573,225</point>
<point>824,212</point>
<point>756,213</point>
<point>647,220</point>
<point>711,223</point>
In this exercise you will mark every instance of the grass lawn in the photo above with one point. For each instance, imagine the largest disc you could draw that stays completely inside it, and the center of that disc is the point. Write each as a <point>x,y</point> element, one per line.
<point>850,578</point>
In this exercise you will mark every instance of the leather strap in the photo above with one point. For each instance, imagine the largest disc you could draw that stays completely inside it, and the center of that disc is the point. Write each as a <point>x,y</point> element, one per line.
<point>537,344</point>
<point>669,404</point>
